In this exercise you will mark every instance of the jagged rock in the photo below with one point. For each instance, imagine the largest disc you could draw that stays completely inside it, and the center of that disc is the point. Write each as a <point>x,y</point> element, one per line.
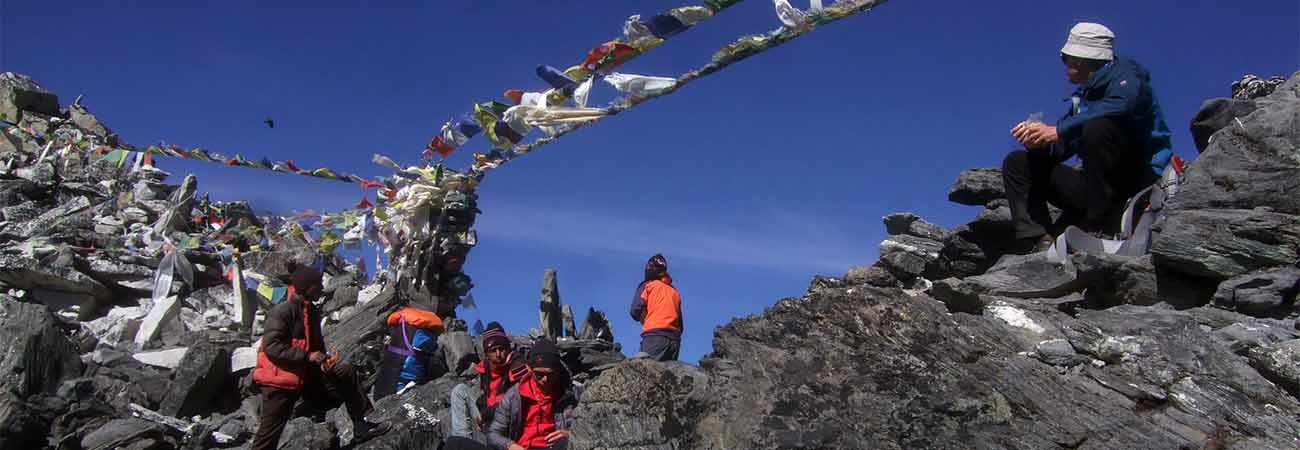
<point>343,296</point>
<point>905,266</point>
<point>550,316</point>
<point>1266,293</point>
<point>1235,211</point>
<point>133,434</point>
<point>584,356</point>
<point>338,281</point>
<point>958,295</point>
<point>359,337</point>
<point>85,119</point>
<point>874,275</point>
<point>1280,363</point>
<point>1243,337</point>
<point>170,358</point>
<point>37,356</point>
<point>1223,243</point>
<point>458,348</point>
<point>303,434</point>
<point>641,404</point>
<point>22,212</point>
<point>20,93</point>
<point>40,174</point>
<point>913,225</point>
<point>198,381</point>
<point>977,187</point>
<point>1250,165</point>
<point>16,191</point>
<point>1112,280</point>
<point>161,314</point>
<point>34,361</point>
<point>419,417</point>
<point>1024,276</point>
<point>570,327</point>
<point>1059,352</point>
<point>27,273</point>
<point>596,327</point>
<point>53,217</point>
<point>1217,114</point>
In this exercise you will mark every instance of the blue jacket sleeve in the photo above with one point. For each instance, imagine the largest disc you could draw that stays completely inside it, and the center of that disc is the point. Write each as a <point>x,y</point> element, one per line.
<point>1123,94</point>
<point>638,304</point>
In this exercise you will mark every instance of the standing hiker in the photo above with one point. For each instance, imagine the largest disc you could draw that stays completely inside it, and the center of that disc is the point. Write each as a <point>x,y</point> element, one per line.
<point>413,340</point>
<point>472,407</point>
<point>1114,125</point>
<point>658,306</point>
<point>292,366</point>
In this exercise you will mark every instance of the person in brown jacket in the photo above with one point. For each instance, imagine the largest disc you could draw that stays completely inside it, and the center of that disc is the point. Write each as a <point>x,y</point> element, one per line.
<point>292,366</point>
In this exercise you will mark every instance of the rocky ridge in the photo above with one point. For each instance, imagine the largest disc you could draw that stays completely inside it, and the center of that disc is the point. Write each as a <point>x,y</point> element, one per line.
<point>947,342</point>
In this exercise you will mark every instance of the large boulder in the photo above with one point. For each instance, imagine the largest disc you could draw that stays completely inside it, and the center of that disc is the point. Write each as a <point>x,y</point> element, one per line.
<point>134,434</point>
<point>859,367</point>
<point>198,382</point>
<point>34,361</point>
<point>20,93</point>
<point>977,187</point>
<point>641,404</point>
<point>1269,293</point>
<point>1236,210</point>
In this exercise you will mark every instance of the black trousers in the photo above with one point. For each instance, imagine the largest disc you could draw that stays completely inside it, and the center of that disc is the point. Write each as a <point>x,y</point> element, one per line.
<point>661,348</point>
<point>323,390</point>
<point>1092,198</point>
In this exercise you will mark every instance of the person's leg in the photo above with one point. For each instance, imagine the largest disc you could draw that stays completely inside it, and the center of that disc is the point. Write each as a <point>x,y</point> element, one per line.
<point>1112,168</point>
<point>1027,181</point>
<point>463,443</point>
<point>464,410</point>
<point>341,382</point>
<point>277,409</point>
<point>674,348</point>
<point>657,347</point>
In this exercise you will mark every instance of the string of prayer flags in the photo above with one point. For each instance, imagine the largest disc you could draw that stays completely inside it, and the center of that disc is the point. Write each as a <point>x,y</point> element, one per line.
<point>558,122</point>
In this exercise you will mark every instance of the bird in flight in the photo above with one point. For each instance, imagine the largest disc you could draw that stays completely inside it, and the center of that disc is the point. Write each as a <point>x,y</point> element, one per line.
<point>269,123</point>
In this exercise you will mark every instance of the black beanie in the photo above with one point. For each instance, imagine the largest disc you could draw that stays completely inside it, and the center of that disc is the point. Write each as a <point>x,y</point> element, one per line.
<point>495,334</point>
<point>656,267</point>
<point>545,354</point>
<point>306,278</point>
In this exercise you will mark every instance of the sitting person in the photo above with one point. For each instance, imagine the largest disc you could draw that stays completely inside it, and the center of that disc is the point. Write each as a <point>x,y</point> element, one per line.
<point>1114,125</point>
<point>473,406</point>
<point>537,413</point>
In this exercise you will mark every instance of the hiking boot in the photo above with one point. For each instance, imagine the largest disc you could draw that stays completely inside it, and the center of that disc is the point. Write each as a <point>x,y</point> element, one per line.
<point>363,430</point>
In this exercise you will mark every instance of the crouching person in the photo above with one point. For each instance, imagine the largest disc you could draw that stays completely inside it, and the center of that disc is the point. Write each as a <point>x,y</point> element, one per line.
<point>292,366</point>
<point>413,340</point>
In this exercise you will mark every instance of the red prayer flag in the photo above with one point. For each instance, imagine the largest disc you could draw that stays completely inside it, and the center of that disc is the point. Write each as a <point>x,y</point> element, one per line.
<point>365,203</point>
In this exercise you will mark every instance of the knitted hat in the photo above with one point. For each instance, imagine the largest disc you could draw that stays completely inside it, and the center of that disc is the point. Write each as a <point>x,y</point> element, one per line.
<point>494,335</point>
<point>545,354</point>
<point>304,278</point>
<point>656,267</point>
<point>1090,41</point>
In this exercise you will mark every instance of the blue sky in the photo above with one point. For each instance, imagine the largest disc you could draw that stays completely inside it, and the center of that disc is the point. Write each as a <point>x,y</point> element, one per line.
<point>750,181</point>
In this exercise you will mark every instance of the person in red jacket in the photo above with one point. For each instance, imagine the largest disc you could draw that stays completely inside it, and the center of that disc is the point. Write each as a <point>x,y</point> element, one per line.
<point>658,306</point>
<point>291,365</point>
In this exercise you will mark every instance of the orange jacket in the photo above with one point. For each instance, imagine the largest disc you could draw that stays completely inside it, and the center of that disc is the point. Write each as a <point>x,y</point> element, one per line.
<point>658,306</point>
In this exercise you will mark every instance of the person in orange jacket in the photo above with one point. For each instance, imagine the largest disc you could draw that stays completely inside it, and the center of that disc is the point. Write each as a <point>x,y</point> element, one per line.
<point>413,342</point>
<point>658,306</point>
<point>292,366</point>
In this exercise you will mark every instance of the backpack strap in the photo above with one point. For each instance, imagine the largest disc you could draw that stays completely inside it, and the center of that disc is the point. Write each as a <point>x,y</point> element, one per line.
<point>405,349</point>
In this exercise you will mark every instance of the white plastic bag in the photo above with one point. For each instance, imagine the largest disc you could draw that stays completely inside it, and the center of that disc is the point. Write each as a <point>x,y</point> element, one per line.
<point>640,84</point>
<point>790,16</point>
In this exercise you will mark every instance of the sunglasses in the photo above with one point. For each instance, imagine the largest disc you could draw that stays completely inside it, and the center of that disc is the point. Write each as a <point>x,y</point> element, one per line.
<point>540,374</point>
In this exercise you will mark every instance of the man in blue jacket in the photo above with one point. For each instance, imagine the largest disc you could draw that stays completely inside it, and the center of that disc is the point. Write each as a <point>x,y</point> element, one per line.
<point>1114,126</point>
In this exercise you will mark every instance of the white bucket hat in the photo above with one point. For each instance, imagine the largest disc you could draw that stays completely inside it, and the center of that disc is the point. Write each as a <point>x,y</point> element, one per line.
<point>1090,41</point>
